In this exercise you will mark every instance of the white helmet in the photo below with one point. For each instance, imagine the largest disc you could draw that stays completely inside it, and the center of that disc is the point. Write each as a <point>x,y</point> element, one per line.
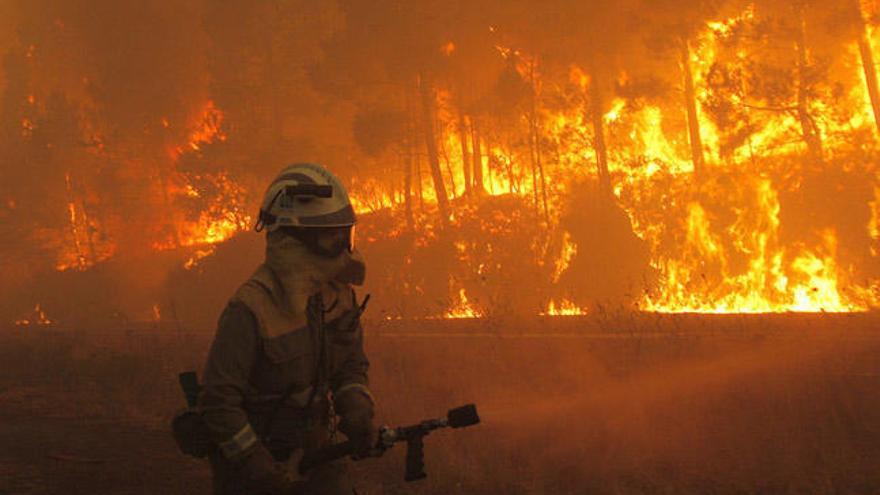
<point>305,195</point>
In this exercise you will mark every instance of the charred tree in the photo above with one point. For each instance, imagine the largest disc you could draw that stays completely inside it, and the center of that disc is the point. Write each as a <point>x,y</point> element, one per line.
<point>427,93</point>
<point>870,76</point>
<point>809,128</point>
<point>486,140</point>
<point>448,162</point>
<point>538,160</point>
<point>408,151</point>
<point>535,142</point>
<point>531,118</point>
<point>415,124</point>
<point>533,155</point>
<point>868,65</point>
<point>690,102</point>
<point>419,186</point>
<point>477,156</point>
<point>596,114</point>
<point>465,155</point>
<point>407,187</point>
<point>513,185</point>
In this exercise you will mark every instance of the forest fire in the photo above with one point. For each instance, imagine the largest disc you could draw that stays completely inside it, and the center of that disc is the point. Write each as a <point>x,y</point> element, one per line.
<point>695,174</point>
<point>643,235</point>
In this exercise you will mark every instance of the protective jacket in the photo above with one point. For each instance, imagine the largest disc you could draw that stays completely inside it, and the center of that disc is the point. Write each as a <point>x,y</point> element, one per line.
<point>271,375</point>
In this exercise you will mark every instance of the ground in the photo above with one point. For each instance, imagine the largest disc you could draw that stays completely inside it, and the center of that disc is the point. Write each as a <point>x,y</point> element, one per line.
<point>641,404</point>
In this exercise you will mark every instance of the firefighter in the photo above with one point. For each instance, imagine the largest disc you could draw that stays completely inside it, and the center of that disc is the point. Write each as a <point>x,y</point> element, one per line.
<point>287,361</point>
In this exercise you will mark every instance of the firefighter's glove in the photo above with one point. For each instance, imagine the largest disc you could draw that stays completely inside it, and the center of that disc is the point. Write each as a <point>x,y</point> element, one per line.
<point>355,410</point>
<point>265,475</point>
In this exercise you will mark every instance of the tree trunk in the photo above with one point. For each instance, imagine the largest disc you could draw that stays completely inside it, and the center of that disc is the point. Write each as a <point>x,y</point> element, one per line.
<point>408,163</point>
<point>81,258</point>
<point>535,131</point>
<point>808,124</point>
<point>596,112</point>
<point>539,161</point>
<point>431,146</point>
<point>533,158</point>
<point>407,187</point>
<point>421,193</point>
<point>868,66</point>
<point>533,154</point>
<point>477,156</point>
<point>414,139</point>
<point>448,162</point>
<point>487,145</point>
<point>690,102</point>
<point>465,155</point>
<point>870,76</point>
<point>514,184</point>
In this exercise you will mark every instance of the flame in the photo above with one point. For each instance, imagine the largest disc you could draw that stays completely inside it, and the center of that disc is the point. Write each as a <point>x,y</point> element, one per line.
<point>809,283</point>
<point>563,308</point>
<point>206,129</point>
<point>156,313</point>
<point>369,196</point>
<point>569,249</point>
<point>222,216</point>
<point>86,246</point>
<point>715,240</point>
<point>222,213</point>
<point>616,108</point>
<point>37,317</point>
<point>27,127</point>
<point>198,256</point>
<point>462,308</point>
<point>739,264</point>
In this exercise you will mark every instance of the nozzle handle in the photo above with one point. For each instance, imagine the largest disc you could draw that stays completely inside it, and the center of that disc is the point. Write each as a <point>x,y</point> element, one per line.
<point>415,458</point>
<point>463,416</point>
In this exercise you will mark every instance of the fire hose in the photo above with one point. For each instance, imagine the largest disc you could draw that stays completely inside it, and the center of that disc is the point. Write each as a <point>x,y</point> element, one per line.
<point>413,435</point>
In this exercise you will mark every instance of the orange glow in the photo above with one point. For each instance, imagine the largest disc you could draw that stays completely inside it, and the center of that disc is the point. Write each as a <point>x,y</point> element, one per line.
<point>462,308</point>
<point>220,219</point>
<point>27,127</point>
<point>739,265</point>
<point>206,129</point>
<point>37,317</point>
<point>156,313</point>
<point>223,213</point>
<point>563,308</point>
<point>83,248</point>
<point>707,173</point>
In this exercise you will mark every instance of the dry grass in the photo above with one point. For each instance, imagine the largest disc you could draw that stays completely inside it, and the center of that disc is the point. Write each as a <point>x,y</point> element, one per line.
<point>642,405</point>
